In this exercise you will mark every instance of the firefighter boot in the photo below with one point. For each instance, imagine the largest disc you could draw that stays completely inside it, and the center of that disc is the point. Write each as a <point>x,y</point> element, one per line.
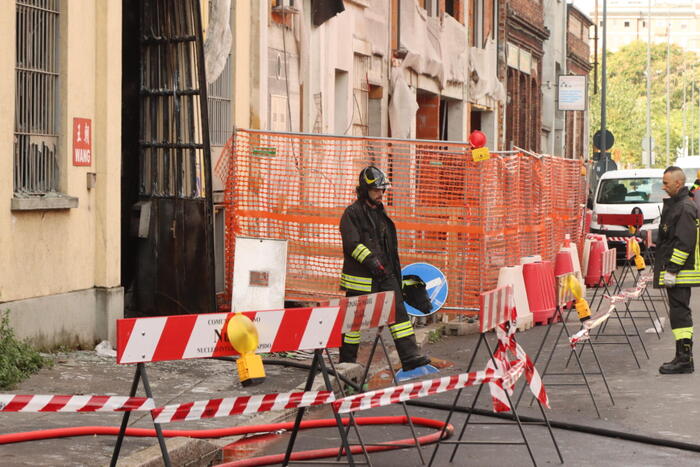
<point>683,362</point>
<point>408,353</point>
<point>348,351</point>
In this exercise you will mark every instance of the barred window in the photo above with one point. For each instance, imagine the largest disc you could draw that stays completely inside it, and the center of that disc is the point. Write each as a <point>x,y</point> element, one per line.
<point>219,100</point>
<point>36,98</point>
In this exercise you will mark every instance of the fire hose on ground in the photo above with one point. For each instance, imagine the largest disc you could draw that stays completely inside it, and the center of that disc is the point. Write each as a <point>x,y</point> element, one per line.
<point>325,423</point>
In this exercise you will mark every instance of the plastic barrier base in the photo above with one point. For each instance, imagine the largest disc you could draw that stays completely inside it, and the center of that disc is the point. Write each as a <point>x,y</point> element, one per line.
<point>403,375</point>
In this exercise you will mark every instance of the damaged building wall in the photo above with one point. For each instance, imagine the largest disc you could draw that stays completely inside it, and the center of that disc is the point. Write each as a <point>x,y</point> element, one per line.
<point>525,34</point>
<point>553,65</point>
<point>486,93</point>
<point>432,51</point>
<point>578,63</point>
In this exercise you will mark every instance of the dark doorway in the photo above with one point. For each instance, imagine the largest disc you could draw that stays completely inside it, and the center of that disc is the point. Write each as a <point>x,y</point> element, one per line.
<point>167,237</point>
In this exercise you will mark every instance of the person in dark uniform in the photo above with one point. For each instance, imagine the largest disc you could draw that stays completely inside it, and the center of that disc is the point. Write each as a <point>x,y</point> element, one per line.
<point>371,264</point>
<point>678,265</point>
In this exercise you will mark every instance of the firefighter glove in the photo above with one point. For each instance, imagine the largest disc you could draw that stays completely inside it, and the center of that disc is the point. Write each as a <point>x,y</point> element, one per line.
<point>415,294</point>
<point>669,279</point>
<point>376,268</point>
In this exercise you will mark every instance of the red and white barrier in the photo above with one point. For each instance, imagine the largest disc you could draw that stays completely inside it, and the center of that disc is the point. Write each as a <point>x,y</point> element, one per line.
<point>56,403</point>
<point>240,405</point>
<point>366,311</point>
<point>182,337</point>
<point>495,307</point>
<point>609,262</point>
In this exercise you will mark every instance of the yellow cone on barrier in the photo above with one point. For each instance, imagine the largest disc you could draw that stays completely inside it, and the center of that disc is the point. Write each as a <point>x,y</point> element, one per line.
<point>243,336</point>
<point>582,308</point>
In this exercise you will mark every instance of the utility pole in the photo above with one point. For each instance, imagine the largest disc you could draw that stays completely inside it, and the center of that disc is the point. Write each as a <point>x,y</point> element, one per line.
<point>685,141</point>
<point>647,161</point>
<point>692,117</point>
<point>668,94</point>
<point>603,88</point>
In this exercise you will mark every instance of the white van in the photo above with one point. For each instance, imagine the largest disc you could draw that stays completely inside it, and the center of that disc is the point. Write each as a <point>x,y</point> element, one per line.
<point>690,165</point>
<point>620,191</point>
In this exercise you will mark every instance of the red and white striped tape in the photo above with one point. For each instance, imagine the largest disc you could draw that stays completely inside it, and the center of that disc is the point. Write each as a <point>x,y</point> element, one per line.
<point>181,337</point>
<point>495,306</point>
<point>620,239</point>
<point>507,343</point>
<point>57,403</point>
<point>501,374</point>
<point>366,311</point>
<point>394,394</point>
<point>585,332</point>
<point>240,405</point>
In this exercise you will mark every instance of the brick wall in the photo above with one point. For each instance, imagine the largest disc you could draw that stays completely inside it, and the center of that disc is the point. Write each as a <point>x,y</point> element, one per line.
<point>530,11</point>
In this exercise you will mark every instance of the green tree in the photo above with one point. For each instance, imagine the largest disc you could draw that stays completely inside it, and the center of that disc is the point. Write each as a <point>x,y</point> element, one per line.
<point>626,99</point>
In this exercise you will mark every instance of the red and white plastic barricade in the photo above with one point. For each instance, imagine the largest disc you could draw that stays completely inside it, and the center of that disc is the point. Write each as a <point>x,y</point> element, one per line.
<point>180,337</point>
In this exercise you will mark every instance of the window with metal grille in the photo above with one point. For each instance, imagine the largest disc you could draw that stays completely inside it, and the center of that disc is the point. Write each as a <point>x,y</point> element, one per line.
<point>360,95</point>
<point>219,98</point>
<point>36,98</point>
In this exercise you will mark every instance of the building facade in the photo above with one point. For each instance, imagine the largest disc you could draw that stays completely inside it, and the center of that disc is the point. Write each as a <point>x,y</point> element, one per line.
<point>60,148</point>
<point>423,69</point>
<point>677,21</point>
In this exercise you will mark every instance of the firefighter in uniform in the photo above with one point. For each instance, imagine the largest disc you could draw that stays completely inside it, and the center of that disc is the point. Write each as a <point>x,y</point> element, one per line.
<point>371,264</point>
<point>678,265</point>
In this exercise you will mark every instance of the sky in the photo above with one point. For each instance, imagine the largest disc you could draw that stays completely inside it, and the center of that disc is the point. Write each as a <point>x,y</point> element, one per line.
<point>587,5</point>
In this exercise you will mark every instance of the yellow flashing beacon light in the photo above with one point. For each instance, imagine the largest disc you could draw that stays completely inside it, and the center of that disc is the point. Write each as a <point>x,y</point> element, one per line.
<point>243,336</point>
<point>582,308</point>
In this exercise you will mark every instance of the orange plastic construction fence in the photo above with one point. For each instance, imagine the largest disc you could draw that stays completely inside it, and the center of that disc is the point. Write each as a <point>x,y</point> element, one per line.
<point>466,218</point>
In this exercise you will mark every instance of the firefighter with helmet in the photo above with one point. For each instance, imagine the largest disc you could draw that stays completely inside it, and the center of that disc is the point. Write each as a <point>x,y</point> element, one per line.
<point>371,264</point>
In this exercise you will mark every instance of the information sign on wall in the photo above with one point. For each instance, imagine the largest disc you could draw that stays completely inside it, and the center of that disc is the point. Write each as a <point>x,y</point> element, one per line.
<point>82,142</point>
<point>572,92</point>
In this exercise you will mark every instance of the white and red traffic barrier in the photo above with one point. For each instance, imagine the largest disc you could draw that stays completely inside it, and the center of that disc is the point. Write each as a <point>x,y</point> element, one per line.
<point>181,337</point>
<point>240,405</point>
<point>495,307</point>
<point>365,311</point>
<point>57,403</point>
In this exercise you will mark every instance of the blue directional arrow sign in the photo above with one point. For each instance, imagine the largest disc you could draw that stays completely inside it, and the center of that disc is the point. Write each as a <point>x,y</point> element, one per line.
<point>435,284</point>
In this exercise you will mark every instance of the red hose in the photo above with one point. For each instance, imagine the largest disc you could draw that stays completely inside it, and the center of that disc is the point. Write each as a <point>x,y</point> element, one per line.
<point>10,438</point>
<point>355,448</point>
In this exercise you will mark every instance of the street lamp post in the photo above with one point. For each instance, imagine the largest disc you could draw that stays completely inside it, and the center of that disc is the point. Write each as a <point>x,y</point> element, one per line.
<point>649,151</point>
<point>603,88</point>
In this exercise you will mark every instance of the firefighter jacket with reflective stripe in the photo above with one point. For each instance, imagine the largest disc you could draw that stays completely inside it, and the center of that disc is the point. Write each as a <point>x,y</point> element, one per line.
<point>678,249</point>
<point>364,240</point>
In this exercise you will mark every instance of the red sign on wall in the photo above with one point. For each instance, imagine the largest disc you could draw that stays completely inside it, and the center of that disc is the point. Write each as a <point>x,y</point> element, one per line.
<point>82,141</point>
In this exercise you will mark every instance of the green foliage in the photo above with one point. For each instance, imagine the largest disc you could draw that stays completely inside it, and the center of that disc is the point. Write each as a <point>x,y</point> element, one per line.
<point>435,335</point>
<point>18,359</point>
<point>626,100</point>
